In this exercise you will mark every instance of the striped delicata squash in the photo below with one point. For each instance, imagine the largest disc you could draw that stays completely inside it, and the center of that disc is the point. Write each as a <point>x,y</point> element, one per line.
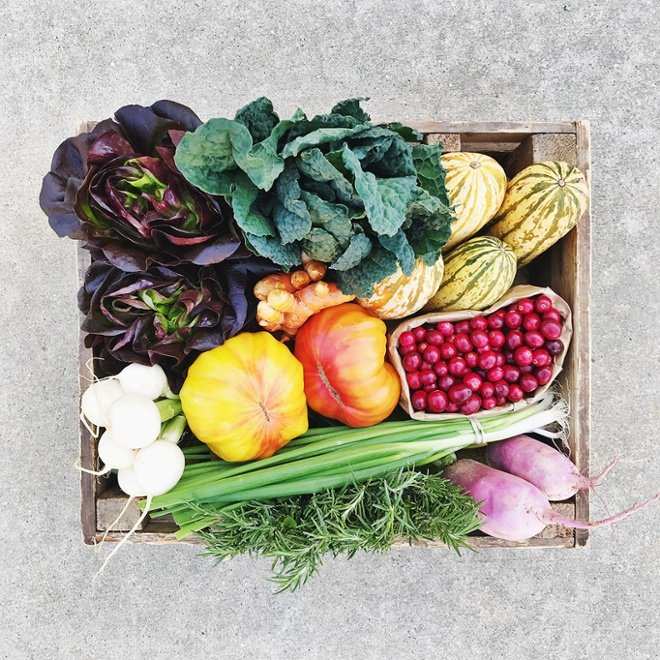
<point>401,295</point>
<point>542,204</point>
<point>476,185</point>
<point>477,273</point>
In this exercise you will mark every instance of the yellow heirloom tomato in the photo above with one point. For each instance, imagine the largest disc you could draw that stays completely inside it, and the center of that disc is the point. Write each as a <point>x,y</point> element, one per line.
<point>245,399</point>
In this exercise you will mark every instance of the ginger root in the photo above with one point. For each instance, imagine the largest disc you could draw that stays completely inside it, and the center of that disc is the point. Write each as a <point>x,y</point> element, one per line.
<point>286,301</point>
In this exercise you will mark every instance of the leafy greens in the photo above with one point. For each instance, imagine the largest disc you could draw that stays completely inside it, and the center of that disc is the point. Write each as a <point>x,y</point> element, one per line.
<point>357,196</point>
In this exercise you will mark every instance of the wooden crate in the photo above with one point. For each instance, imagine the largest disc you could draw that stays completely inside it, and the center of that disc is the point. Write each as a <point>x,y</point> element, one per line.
<point>566,268</point>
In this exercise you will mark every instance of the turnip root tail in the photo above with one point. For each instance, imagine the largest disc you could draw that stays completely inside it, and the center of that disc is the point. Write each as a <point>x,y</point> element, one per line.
<point>132,531</point>
<point>96,473</point>
<point>551,517</point>
<point>111,526</point>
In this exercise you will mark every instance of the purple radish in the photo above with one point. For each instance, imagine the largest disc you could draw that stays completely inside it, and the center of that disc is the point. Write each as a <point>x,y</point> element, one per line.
<point>514,509</point>
<point>545,467</point>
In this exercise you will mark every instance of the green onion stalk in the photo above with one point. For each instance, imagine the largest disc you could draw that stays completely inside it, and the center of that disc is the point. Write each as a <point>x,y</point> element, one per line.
<point>332,457</point>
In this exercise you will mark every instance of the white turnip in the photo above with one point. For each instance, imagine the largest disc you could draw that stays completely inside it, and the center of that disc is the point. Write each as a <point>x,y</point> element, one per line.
<point>145,381</point>
<point>159,467</point>
<point>545,467</point>
<point>114,454</point>
<point>514,509</point>
<point>135,420</point>
<point>97,399</point>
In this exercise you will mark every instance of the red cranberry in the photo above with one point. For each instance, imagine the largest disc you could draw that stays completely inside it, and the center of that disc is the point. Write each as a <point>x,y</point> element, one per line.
<point>446,383</point>
<point>512,319</point>
<point>495,374</point>
<point>552,315</point>
<point>479,323</point>
<point>511,374</point>
<point>412,362</point>
<point>452,408</point>
<point>541,358</point>
<point>419,333</point>
<point>447,351</point>
<point>432,354</point>
<point>425,365</point>
<point>462,342</point>
<point>460,393</point>
<point>495,322</point>
<point>525,305</point>
<point>523,356</point>
<point>472,380</point>
<point>514,339</point>
<point>515,393</point>
<point>501,389</point>
<point>554,347</point>
<point>422,346</point>
<point>404,350</point>
<point>500,312</point>
<point>487,389</point>
<point>479,339</point>
<point>445,327</point>
<point>440,368</point>
<point>472,405</point>
<point>527,369</point>
<point>534,339</point>
<point>457,366</point>
<point>413,380</point>
<point>437,401</point>
<point>500,360</point>
<point>462,326</point>
<point>418,400</point>
<point>550,329</point>
<point>528,383</point>
<point>488,403</point>
<point>406,339</point>
<point>434,337</point>
<point>428,377</point>
<point>531,321</point>
<point>487,360</point>
<point>543,375</point>
<point>500,400</point>
<point>496,338</point>
<point>471,359</point>
<point>542,304</point>
<point>430,388</point>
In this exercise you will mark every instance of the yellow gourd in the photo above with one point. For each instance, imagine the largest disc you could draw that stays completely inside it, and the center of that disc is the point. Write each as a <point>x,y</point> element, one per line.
<point>245,399</point>
<point>401,295</point>
<point>476,185</point>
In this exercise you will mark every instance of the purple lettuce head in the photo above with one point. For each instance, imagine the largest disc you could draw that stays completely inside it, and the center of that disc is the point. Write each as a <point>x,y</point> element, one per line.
<point>118,189</point>
<point>164,316</point>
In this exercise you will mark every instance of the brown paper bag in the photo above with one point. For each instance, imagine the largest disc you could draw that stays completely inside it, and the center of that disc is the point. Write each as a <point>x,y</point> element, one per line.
<point>513,294</point>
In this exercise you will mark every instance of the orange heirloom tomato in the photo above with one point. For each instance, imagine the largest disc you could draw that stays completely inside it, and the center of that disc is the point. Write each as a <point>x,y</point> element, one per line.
<point>342,350</point>
<point>245,399</point>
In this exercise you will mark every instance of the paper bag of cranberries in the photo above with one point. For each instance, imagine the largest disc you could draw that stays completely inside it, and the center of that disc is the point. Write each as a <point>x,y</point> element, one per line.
<point>479,362</point>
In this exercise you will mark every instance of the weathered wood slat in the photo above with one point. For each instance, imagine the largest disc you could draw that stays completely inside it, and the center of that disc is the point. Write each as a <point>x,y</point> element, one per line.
<point>495,130</point>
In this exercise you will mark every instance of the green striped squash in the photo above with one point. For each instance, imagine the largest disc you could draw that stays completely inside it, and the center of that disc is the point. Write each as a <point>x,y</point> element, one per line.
<point>401,295</point>
<point>476,184</point>
<point>477,273</point>
<point>542,204</point>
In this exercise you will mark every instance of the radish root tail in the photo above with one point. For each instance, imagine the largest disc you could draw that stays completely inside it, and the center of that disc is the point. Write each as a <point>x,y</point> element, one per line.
<point>598,479</point>
<point>549,516</point>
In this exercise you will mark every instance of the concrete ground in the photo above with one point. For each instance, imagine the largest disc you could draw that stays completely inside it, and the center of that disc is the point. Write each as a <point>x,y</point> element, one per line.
<point>63,61</point>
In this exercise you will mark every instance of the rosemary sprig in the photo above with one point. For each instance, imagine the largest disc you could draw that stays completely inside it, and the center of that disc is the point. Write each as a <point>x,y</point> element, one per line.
<point>297,532</point>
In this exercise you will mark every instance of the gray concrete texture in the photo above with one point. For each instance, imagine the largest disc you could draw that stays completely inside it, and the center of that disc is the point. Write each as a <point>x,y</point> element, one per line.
<point>63,61</point>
